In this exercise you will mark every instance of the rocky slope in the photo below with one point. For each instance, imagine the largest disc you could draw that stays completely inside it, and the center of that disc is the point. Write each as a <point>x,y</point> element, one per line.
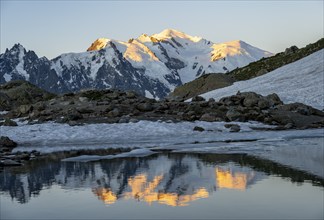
<point>211,82</point>
<point>150,65</point>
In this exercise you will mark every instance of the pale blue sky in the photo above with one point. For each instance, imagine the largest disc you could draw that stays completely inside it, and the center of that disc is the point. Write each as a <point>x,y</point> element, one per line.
<point>54,27</point>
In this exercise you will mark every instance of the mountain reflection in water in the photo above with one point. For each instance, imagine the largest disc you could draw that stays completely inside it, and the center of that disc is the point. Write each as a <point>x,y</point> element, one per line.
<point>169,179</point>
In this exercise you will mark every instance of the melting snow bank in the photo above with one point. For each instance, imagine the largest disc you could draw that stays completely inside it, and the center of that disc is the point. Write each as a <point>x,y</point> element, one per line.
<point>134,153</point>
<point>302,149</point>
<point>53,137</point>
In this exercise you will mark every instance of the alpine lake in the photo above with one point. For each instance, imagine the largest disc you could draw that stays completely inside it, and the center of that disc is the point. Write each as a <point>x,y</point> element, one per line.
<point>160,186</point>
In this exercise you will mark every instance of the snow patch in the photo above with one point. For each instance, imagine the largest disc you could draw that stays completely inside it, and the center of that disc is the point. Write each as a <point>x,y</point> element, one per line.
<point>7,77</point>
<point>148,95</point>
<point>20,67</point>
<point>301,81</point>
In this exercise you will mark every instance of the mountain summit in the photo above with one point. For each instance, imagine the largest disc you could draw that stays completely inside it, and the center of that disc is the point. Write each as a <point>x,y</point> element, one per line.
<point>150,65</point>
<point>171,33</point>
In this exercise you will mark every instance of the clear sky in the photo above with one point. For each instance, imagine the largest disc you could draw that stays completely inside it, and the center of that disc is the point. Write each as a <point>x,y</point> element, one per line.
<point>51,28</point>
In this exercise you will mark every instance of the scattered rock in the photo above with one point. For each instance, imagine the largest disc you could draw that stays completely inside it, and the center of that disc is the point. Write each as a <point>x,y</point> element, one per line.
<point>133,120</point>
<point>124,119</point>
<point>73,115</point>
<point>250,99</point>
<point>9,122</point>
<point>145,107</point>
<point>233,115</point>
<point>83,99</point>
<point>289,126</point>
<point>114,113</point>
<point>197,128</point>
<point>274,99</point>
<point>7,142</point>
<point>233,127</point>
<point>291,50</point>
<point>198,99</point>
<point>24,109</point>
<point>208,117</point>
<point>131,95</point>
<point>264,103</point>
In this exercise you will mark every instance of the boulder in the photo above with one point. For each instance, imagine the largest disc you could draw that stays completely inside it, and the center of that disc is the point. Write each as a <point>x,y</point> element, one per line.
<point>291,50</point>
<point>233,127</point>
<point>198,99</point>
<point>7,142</point>
<point>24,109</point>
<point>133,120</point>
<point>233,115</point>
<point>204,104</point>
<point>208,117</point>
<point>131,95</point>
<point>197,128</point>
<point>83,99</point>
<point>250,99</point>
<point>73,115</point>
<point>144,107</point>
<point>274,99</point>
<point>264,103</point>
<point>9,122</point>
<point>114,113</point>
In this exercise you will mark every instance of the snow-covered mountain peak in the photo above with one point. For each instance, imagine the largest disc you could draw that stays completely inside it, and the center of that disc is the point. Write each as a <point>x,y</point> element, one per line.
<point>98,44</point>
<point>144,38</point>
<point>136,51</point>
<point>16,49</point>
<point>18,46</point>
<point>171,33</point>
<point>235,48</point>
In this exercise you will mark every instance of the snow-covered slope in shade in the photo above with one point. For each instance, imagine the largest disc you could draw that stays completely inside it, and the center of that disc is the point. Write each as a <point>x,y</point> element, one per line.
<point>301,81</point>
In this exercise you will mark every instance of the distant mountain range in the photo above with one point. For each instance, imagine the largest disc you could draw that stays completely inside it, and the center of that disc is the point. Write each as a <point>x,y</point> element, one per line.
<point>150,65</point>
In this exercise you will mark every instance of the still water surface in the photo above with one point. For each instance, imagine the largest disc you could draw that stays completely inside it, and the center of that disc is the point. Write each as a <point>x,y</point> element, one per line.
<point>162,186</point>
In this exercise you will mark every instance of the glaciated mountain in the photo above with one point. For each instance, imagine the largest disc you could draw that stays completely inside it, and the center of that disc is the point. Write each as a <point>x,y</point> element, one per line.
<point>150,65</point>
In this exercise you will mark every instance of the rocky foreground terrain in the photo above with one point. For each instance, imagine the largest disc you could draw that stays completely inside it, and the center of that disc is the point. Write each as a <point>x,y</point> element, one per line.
<point>20,99</point>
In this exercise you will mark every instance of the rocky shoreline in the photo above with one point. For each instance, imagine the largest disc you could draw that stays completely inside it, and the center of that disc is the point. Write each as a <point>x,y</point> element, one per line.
<point>22,99</point>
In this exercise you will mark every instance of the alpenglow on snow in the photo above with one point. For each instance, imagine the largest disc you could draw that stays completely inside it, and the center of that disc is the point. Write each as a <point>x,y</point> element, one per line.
<point>149,65</point>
